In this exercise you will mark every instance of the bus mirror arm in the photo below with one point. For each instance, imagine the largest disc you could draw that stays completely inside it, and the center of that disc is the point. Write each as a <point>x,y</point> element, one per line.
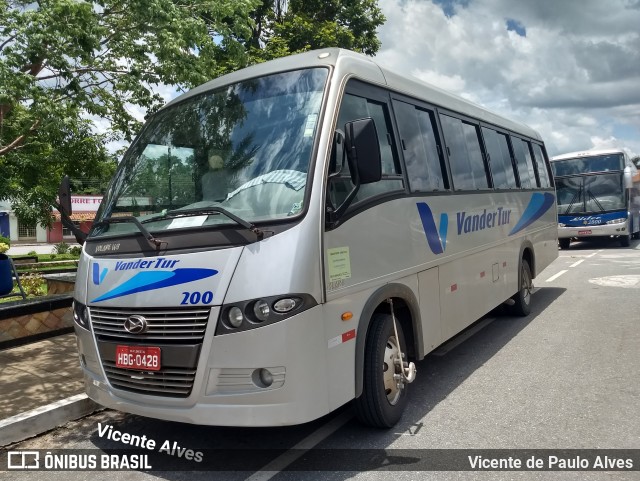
<point>64,207</point>
<point>334,214</point>
<point>362,151</point>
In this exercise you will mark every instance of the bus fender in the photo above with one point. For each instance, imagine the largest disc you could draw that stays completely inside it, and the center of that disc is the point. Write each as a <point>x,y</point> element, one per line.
<point>378,297</point>
<point>527,246</point>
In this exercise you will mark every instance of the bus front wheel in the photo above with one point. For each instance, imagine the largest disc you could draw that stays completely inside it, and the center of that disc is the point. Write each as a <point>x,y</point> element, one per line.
<point>564,243</point>
<point>522,300</point>
<point>384,393</point>
<point>625,240</point>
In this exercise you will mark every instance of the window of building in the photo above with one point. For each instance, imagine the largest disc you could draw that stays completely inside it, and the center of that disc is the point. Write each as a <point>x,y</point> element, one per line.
<point>67,232</point>
<point>26,231</point>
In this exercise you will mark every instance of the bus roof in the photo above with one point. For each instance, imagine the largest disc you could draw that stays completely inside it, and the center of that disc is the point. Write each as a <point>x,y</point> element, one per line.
<point>351,64</point>
<point>587,153</point>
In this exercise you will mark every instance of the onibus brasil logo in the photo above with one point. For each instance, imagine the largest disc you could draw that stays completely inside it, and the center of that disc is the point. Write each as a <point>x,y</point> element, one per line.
<point>467,223</point>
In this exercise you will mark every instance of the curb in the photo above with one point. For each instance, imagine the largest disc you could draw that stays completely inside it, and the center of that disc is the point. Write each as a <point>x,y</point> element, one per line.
<point>37,421</point>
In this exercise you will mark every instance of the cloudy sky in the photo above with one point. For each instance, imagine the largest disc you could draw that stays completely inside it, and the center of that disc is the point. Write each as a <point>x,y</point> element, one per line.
<point>568,68</point>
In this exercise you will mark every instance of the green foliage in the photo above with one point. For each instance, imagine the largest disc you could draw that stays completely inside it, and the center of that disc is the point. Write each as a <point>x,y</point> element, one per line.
<point>61,248</point>
<point>284,27</point>
<point>3,247</point>
<point>67,67</point>
<point>5,240</point>
<point>33,284</point>
<point>75,251</point>
<point>32,253</point>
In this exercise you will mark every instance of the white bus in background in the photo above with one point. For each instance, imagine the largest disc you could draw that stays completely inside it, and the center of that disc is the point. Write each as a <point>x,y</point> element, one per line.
<point>352,220</point>
<point>598,196</point>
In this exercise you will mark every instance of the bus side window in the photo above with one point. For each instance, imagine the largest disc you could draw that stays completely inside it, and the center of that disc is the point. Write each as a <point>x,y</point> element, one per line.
<point>524,162</point>
<point>420,147</point>
<point>353,108</point>
<point>465,155</point>
<point>499,159</point>
<point>543,173</point>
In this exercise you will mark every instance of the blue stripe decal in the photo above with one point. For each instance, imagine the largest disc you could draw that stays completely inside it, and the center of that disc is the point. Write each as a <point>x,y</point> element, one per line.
<point>538,205</point>
<point>147,281</point>
<point>430,229</point>
<point>444,225</point>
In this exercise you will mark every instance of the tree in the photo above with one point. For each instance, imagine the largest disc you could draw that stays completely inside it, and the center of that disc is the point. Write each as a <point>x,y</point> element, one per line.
<point>67,66</point>
<point>70,69</point>
<point>284,27</point>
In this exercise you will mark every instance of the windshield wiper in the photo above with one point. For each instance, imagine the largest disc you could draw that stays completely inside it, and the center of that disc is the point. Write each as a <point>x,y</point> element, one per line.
<point>576,196</point>
<point>597,202</point>
<point>212,211</point>
<point>116,220</point>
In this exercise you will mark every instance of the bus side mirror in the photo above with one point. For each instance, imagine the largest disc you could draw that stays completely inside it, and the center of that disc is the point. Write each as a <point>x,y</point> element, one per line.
<point>363,151</point>
<point>628,178</point>
<point>64,195</point>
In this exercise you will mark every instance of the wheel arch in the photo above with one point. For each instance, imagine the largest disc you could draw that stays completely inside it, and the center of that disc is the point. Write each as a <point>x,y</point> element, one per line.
<point>407,312</point>
<point>527,253</point>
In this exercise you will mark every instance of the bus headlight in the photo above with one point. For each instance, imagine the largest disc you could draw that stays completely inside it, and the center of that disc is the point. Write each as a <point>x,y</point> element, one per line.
<point>235,317</point>
<point>255,313</point>
<point>261,310</point>
<point>617,221</point>
<point>80,314</point>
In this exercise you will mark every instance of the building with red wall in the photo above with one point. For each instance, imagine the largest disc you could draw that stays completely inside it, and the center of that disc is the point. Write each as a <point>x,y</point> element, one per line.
<point>84,208</point>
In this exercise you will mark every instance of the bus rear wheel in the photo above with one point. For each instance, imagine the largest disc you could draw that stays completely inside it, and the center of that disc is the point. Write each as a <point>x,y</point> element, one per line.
<point>384,393</point>
<point>564,243</point>
<point>522,300</point>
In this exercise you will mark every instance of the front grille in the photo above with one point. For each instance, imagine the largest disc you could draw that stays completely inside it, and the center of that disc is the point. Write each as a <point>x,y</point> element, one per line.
<point>173,382</point>
<point>178,332</point>
<point>181,325</point>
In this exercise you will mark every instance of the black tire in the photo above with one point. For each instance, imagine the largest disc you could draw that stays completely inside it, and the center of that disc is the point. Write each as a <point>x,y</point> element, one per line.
<point>564,243</point>
<point>522,300</point>
<point>625,240</point>
<point>381,403</point>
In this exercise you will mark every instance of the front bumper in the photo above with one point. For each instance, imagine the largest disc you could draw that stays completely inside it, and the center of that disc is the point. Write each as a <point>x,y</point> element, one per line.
<point>226,391</point>
<point>593,231</point>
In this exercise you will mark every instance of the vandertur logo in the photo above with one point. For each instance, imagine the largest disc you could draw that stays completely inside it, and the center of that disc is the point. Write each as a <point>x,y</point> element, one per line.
<point>436,235</point>
<point>98,275</point>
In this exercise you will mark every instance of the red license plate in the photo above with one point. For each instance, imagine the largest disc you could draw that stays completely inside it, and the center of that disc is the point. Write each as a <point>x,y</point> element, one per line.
<point>141,358</point>
<point>584,232</point>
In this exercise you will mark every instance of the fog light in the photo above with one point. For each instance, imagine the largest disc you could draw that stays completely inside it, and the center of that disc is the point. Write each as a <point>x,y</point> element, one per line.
<point>266,378</point>
<point>235,317</point>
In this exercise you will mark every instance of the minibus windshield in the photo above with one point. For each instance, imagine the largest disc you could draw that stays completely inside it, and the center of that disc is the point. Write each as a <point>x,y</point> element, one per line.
<point>245,148</point>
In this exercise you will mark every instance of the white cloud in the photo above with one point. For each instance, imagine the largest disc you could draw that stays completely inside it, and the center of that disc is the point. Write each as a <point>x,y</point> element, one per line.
<point>574,76</point>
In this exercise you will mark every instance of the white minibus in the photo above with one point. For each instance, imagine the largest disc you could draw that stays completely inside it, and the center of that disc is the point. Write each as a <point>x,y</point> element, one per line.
<point>295,235</point>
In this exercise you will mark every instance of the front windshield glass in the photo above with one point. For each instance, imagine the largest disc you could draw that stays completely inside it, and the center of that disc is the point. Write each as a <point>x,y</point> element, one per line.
<point>586,165</point>
<point>245,148</point>
<point>595,193</point>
